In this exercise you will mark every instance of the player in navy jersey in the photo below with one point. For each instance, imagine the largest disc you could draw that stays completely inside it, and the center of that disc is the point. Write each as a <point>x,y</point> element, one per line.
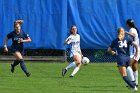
<point>18,38</point>
<point>121,44</point>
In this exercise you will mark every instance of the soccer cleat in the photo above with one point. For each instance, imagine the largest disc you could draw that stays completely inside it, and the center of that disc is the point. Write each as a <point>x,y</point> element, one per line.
<point>135,89</point>
<point>28,74</point>
<point>12,68</point>
<point>71,76</point>
<point>64,72</point>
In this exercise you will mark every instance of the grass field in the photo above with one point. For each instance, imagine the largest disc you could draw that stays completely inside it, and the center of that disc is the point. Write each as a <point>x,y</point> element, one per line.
<point>46,78</point>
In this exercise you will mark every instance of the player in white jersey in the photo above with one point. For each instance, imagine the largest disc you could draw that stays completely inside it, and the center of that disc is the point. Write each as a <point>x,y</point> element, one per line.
<point>134,35</point>
<point>75,52</point>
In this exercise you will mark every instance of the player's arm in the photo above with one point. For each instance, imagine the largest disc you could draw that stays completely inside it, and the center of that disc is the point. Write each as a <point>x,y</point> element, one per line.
<point>26,40</point>
<point>130,34</point>
<point>5,44</point>
<point>136,47</point>
<point>67,41</point>
<point>109,50</point>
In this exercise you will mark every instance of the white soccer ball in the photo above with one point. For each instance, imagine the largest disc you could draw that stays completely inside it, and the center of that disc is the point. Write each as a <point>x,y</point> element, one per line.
<point>85,60</point>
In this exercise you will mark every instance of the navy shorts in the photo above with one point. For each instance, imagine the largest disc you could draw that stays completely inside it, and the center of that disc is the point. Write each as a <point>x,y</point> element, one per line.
<point>17,49</point>
<point>123,60</point>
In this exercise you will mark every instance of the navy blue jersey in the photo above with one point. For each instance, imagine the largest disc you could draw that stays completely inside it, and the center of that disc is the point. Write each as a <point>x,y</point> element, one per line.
<point>121,46</point>
<point>17,37</point>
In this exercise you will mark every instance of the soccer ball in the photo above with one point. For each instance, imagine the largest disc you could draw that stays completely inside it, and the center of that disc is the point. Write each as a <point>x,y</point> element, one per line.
<point>85,60</point>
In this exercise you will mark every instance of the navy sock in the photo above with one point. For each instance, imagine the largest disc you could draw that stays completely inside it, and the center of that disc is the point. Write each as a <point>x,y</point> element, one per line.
<point>23,67</point>
<point>15,63</point>
<point>130,83</point>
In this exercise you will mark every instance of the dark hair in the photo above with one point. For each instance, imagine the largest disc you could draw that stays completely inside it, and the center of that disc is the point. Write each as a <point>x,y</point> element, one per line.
<point>71,28</point>
<point>130,23</point>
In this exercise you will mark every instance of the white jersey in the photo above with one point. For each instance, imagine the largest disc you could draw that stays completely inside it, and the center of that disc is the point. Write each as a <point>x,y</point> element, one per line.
<point>74,41</point>
<point>135,39</point>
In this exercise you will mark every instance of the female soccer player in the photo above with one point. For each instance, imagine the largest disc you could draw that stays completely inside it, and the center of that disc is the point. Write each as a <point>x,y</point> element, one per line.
<point>134,35</point>
<point>76,54</point>
<point>18,38</point>
<point>122,53</point>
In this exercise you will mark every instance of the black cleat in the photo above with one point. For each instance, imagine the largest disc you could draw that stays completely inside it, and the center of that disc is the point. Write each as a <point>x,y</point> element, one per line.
<point>12,68</point>
<point>71,76</point>
<point>28,74</point>
<point>64,72</point>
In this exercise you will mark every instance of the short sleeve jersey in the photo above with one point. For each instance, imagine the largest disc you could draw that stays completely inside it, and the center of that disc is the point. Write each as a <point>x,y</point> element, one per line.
<point>121,46</point>
<point>135,39</point>
<point>17,37</point>
<point>74,42</point>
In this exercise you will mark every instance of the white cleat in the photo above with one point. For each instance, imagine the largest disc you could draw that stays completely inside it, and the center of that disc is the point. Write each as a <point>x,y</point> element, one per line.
<point>135,89</point>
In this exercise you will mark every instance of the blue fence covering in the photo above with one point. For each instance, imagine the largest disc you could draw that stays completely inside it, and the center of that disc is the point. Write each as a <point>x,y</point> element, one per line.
<point>48,21</point>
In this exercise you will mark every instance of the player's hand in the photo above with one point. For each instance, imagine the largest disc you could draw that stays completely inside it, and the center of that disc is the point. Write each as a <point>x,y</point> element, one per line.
<point>136,57</point>
<point>113,52</point>
<point>21,40</point>
<point>5,49</point>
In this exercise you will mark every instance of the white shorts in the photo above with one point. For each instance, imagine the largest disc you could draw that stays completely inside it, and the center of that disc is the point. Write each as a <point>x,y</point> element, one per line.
<point>75,53</point>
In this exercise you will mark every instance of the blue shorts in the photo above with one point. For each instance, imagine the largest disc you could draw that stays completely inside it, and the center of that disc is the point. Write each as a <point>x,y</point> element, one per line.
<point>17,49</point>
<point>123,60</point>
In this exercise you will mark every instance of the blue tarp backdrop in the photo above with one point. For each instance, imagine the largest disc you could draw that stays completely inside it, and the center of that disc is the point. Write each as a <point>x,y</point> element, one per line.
<point>48,21</point>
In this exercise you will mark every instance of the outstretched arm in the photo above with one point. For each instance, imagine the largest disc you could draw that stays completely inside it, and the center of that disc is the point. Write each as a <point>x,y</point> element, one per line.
<point>130,34</point>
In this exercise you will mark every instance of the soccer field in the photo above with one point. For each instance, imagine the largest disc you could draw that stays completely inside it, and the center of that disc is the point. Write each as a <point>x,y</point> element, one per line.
<point>46,78</point>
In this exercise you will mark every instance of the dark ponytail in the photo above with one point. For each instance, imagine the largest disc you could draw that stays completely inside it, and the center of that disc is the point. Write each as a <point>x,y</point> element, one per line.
<point>130,23</point>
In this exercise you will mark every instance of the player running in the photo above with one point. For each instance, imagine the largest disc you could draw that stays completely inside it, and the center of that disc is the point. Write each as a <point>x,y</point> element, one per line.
<point>121,44</point>
<point>18,38</point>
<point>75,52</point>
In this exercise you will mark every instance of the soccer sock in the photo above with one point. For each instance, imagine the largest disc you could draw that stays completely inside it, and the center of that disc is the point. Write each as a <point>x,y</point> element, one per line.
<point>15,63</point>
<point>73,64</point>
<point>130,83</point>
<point>75,71</point>
<point>23,67</point>
<point>130,73</point>
<point>136,76</point>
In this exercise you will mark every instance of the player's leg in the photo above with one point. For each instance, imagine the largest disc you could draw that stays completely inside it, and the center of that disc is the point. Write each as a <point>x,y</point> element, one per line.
<point>19,57</point>
<point>129,70</point>
<point>135,71</point>
<point>16,62</point>
<point>77,59</point>
<point>71,65</point>
<point>122,70</point>
<point>23,67</point>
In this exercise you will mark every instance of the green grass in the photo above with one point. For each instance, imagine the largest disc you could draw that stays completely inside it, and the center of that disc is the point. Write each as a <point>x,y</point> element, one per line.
<point>46,78</point>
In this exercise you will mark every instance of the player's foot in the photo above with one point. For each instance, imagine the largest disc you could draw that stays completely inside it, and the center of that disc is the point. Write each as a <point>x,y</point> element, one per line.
<point>12,68</point>
<point>137,86</point>
<point>71,76</point>
<point>135,89</point>
<point>64,72</point>
<point>28,74</point>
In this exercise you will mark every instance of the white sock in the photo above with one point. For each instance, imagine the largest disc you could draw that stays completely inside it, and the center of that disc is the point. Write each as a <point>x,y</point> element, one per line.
<point>75,71</point>
<point>130,73</point>
<point>136,76</point>
<point>73,64</point>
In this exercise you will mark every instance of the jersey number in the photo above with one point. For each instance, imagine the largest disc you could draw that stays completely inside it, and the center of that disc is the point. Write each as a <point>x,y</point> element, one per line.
<point>122,44</point>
